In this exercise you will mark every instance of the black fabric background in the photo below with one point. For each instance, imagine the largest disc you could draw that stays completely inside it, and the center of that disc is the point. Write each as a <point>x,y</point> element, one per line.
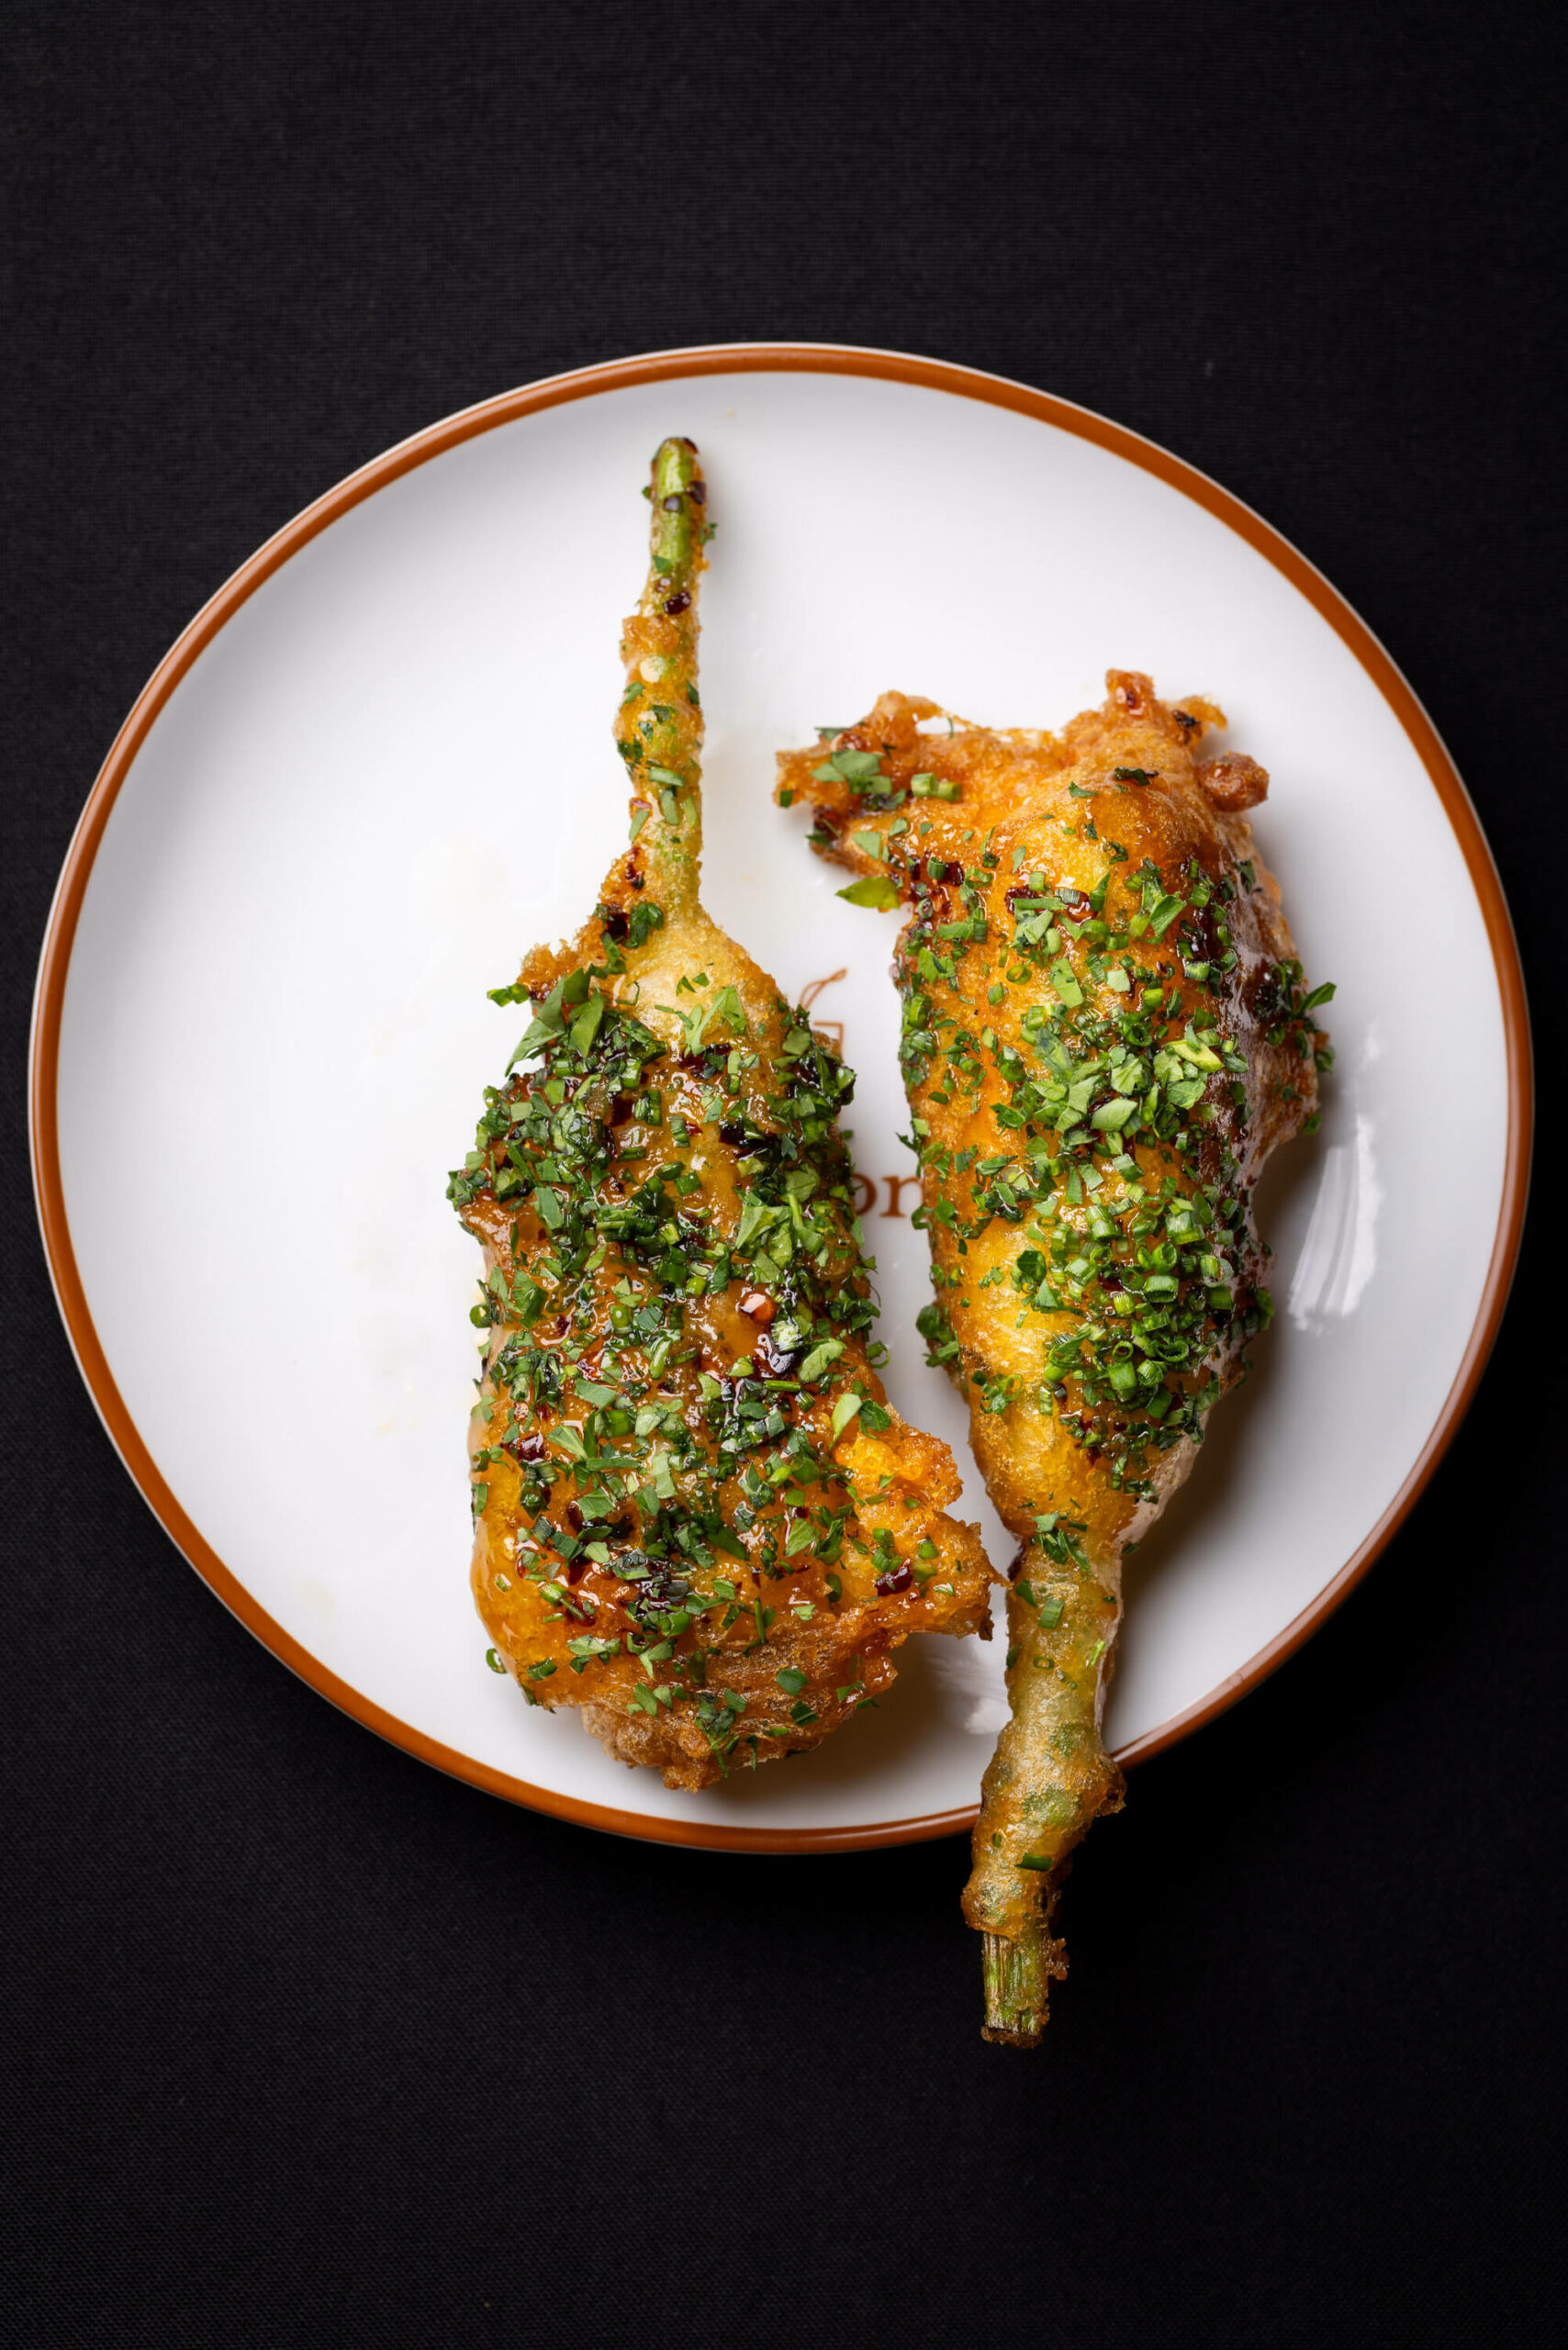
<point>306,2045</point>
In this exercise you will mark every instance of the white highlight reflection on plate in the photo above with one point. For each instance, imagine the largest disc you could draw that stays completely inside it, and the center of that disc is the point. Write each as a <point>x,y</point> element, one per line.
<point>392,769</point>
<point>1338,1254</point>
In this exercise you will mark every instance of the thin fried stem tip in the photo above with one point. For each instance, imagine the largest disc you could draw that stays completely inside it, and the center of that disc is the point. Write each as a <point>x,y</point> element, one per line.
<point>1016,1989</point>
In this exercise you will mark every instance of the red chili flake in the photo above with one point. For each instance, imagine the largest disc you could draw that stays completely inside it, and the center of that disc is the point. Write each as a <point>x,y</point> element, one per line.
<point>574,1517</point>
<point>744,1146</point>
<point>775,1362</point>
<point>676,604</point>
<point>899,1579</point>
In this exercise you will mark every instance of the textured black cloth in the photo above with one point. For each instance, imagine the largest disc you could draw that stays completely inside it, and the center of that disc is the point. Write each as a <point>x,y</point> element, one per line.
<point>307,2045</point>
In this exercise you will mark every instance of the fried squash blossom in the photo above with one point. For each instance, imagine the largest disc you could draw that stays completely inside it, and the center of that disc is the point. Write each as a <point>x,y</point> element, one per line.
<point>697,1516</point>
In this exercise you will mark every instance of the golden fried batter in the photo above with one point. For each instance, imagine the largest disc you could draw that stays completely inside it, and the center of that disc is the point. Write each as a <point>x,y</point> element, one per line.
<point>697,1516</point>
<point>1104,1035</point>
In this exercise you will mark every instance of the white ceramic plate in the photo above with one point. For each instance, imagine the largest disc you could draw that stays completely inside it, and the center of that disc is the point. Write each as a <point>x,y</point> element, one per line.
<point>380,765</point>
